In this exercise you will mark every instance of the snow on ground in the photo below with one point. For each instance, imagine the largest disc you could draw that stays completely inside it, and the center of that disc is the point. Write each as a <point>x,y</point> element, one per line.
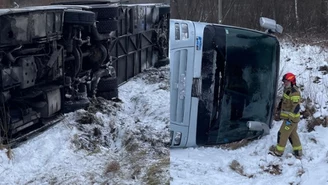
<point>127,142</point>
<point>250,164</point>
<point>124,142</point>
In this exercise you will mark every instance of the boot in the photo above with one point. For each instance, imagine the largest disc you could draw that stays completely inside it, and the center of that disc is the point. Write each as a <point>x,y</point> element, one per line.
<point>297,154</point>
<point>273,151</point>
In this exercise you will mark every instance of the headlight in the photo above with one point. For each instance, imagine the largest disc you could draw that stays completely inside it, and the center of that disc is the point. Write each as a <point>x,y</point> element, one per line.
<point>184,31</point>
<point>177,138</point>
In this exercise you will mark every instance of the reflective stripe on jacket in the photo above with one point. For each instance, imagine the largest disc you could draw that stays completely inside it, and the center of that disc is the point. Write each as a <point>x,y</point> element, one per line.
<point>290,106</point>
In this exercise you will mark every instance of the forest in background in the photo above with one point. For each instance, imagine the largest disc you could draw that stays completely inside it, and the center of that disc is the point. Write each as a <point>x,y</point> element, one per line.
<point>299,18</point>
<point>305,18</point>
<point>22,3</point>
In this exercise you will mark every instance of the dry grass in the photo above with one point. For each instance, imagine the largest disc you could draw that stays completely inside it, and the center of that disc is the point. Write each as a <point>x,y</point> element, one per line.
<point>313,123</point>
<point>273,169</point>
<point>136,161</point>
<point>153,175</point>
<point>130,143</point>
<point>325,124</point>
<point>300,172</point>
<point>237,167</point>
<point>137,158</point>
<point>317,80</point>
<point>102,105</point>
<point>313,140</point>
<point>309,109</point>
<point>235,145</point>
<point>310,39</point>
<point>86,142</point>
<point>308,114</point>
<point>113,166</point>
<point>87,118</point>
<point>324,69</point>
<point>53,181</point>
<point>9,152</point>
<point>136,171</point>
<point>293,183</point>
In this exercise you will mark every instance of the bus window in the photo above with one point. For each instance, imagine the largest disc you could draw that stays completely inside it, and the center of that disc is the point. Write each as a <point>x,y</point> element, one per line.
<point>177,31</point>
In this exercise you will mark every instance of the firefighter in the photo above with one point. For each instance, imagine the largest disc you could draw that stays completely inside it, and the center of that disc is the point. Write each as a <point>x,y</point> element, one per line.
<point>289,108</point>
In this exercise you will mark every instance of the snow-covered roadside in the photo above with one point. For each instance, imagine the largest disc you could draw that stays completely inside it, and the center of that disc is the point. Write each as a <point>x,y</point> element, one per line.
<point>110,143</point>
<point>310,65</point>
<point>251,164</point>
<point>214,165</point>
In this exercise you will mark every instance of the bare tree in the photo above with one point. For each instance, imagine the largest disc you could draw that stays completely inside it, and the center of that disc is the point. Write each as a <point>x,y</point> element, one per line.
<point>5,3</point>
<point>23,3</point>
<point>297,17</point>
<point>296,14</point>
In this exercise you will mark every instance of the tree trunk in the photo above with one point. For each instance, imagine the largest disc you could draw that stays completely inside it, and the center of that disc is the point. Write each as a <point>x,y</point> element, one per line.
<point>296,14</point>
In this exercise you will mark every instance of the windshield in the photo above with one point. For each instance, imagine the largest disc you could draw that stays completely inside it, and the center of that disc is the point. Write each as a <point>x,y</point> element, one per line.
<point>244,85</point>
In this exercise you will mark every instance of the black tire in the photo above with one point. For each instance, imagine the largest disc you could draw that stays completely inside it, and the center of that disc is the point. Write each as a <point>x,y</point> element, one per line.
<point>108,95</point>
<point>106,13</point>
<point>79,17</point>
<point>107,84</point>
<point>106,26</point>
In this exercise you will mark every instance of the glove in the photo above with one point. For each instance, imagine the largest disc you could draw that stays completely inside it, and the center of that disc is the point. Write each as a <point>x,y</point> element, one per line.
<point>288,122</point>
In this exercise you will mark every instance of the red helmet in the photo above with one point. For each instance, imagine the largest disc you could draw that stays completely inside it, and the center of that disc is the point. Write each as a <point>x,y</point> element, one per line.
<point>290,77</point>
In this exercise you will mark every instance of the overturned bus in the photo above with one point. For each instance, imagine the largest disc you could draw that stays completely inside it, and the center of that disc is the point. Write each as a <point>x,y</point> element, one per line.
<point>55,59</point>
<point>223,82</point>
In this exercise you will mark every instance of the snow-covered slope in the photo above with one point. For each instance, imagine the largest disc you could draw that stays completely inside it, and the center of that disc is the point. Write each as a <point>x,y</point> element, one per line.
<point>127,142</point>
<point>250,164</point>
<point>124,142</point>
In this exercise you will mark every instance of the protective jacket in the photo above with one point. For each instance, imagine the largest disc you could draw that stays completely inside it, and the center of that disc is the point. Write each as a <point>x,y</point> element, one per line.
<point>290,112</point>
<point>289,105</point>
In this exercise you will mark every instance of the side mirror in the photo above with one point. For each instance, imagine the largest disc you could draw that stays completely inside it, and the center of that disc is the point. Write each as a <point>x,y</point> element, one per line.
<point>270,25</point>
